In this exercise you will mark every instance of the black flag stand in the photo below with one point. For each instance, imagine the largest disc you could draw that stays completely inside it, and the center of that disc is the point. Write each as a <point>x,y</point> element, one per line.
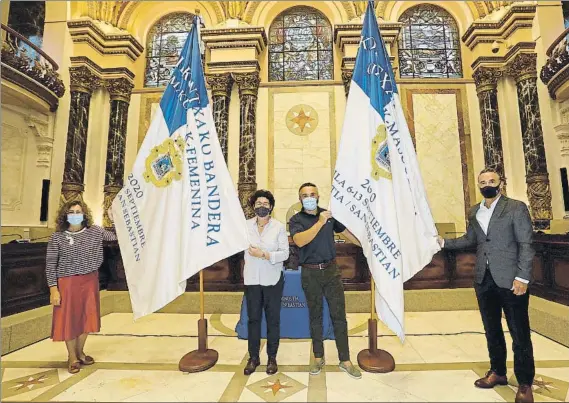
<point>372,359</point>
<point>203,358</point>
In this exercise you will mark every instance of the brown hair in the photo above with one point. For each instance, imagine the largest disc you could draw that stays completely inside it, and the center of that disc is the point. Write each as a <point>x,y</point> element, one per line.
<point>61,220</point>
<point>494,171</point>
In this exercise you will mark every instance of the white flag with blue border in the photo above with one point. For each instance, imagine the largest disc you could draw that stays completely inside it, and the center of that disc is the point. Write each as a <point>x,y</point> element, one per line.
<point>178,211</point>
<point>378,192</point>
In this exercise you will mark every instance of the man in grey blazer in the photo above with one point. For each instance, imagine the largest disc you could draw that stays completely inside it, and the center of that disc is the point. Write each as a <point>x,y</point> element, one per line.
<point>501,230</point>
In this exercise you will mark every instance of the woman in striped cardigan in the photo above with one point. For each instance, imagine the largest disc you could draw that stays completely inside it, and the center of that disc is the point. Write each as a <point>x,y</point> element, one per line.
<point>74,255</point>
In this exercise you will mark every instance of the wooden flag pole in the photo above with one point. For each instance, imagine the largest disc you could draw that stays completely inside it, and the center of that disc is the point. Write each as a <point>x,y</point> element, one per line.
<point>372,359</point>
<point>203,358</point>
<point>372,308</point>
<point>202,297</point>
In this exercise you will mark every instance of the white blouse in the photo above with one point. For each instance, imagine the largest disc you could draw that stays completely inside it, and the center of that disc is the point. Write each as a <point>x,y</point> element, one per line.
<point>273,239</point>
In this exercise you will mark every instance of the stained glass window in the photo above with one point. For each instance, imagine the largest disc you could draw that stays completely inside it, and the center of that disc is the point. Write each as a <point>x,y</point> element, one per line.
<point>429,44</point>
<point>165,42</point>
<point>300,46</point>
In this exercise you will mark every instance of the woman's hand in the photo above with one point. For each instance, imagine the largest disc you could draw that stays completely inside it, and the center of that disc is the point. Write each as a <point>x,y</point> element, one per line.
<point>256,252</point>
<point>54,296</point>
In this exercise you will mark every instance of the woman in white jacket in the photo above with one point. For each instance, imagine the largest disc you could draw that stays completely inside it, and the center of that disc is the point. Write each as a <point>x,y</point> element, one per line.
<point>264,279</point>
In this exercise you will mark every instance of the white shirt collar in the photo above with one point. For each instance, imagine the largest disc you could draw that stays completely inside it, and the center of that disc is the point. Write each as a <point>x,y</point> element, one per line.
<point>253,222</point>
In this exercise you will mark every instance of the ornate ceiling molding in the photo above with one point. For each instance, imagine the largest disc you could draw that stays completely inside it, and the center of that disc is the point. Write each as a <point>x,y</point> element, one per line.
<point>234,9</point>
<point>102,73</point>
<point>351,9</point>
<point>519,16</point>
<point>105,11</point>
<point>227,38</point>
<point>501,61</point>
<point>87,31</point>
<point>250,11</point>
<point>130,6</point>
<point>118,13</point>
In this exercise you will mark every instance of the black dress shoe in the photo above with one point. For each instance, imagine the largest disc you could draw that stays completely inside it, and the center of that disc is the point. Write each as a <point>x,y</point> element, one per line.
<point>251,366</point>
<point>272,367</point>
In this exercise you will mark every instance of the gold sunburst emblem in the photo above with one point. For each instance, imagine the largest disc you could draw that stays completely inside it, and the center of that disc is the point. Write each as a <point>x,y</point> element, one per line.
<point>302,119</point>
<point>380,164</point>
<point>164,163</point>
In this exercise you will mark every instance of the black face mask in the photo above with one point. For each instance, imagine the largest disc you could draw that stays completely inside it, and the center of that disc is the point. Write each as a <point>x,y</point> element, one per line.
<point>490,192</point>
<point>262,211</point>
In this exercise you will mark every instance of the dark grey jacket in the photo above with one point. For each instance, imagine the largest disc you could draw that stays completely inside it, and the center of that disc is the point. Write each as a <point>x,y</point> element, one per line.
<point>507,247</point>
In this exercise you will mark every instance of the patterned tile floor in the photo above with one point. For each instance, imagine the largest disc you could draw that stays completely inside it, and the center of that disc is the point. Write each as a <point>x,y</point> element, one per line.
<point>444,353</point>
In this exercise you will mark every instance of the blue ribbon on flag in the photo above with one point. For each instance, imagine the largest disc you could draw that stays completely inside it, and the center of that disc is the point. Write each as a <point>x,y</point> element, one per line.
<point>373,71</point>
<point>186,88</point>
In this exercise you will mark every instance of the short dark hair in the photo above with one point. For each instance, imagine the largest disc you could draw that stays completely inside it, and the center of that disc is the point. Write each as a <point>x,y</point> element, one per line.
<point>494,171</point>
<point>306,185</point>
<point>262,193</point>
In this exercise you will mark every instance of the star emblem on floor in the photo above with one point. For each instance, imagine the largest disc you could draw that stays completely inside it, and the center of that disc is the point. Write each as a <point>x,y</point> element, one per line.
<point>276,387</point>
<point>29,383</point>
<point>547,386</point>
<point>539,383</point>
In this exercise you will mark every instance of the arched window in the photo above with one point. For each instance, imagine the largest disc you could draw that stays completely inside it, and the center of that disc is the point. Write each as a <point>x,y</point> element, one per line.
<point>300,46</point>
<point>165,42</point>
<point>429,44</point>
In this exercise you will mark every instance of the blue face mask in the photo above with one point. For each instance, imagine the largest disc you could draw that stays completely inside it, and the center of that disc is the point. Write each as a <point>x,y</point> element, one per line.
<point>74,219</point>
<point>310,203</point>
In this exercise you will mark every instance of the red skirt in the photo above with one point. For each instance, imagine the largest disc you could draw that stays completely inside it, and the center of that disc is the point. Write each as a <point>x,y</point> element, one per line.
<point>79,311</point>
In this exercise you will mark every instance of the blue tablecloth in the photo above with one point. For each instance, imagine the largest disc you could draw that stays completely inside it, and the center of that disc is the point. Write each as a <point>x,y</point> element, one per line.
<point>294,313</point>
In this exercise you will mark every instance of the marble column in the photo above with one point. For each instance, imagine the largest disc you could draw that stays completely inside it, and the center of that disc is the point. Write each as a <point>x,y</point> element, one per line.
<point>248,84</point>
<point>82,82</point>
<point>486,79</point>
<point>347,80</point>
<point>523,70</point>
<point>119,90</point>
<point>221,85</point>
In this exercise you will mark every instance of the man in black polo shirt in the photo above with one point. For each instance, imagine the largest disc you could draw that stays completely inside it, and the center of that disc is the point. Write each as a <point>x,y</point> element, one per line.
<point>312,230</point>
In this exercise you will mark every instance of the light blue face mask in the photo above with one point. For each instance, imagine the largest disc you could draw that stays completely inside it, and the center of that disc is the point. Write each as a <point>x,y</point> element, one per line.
<point>74,219</point>
<point>310,203</point>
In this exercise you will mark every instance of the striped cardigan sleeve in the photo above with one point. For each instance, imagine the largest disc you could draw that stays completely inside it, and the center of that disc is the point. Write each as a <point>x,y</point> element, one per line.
<point>106,234</point>
<point>51,261</point>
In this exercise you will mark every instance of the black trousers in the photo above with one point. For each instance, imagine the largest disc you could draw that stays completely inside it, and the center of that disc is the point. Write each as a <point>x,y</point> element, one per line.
<point>327,282</point>
<point>491,300</point>
<point>267,298</point>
